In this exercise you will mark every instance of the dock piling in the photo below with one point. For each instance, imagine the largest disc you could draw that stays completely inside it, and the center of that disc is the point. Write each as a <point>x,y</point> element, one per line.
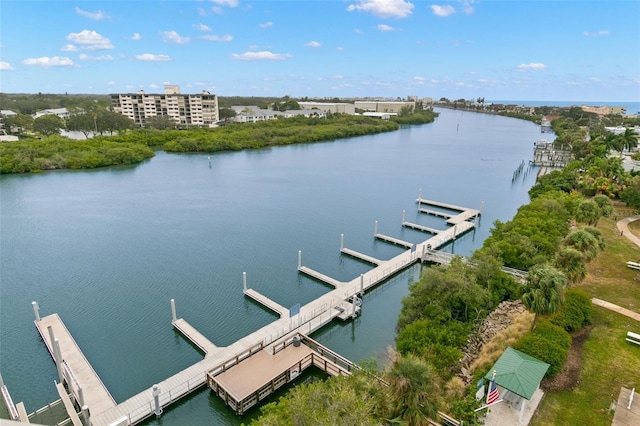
<point>56,353</point>
<point>361,284</point>
<point>299,259</point>
<point>174,317</point>
<point>341,241</point>
<point>375,228</point>
<point>36,310</point>
<point>156,400</point>
<point>404,215</point>
<point>244,281</point>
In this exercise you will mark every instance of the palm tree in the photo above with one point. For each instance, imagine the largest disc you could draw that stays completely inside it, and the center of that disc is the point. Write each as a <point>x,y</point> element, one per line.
<point>544,292</point>
<point>628,139</point>
<point>583,241</point>
<point>572,263</point>
<point>414,390</point>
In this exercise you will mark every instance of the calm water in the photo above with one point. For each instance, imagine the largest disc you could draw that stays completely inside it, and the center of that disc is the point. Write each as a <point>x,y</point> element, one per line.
<point>108,249</point>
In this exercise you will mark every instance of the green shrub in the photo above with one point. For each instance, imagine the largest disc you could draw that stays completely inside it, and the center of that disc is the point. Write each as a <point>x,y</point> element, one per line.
<point>545,350</point>
<point>553,333</point>
<point>575,312</point>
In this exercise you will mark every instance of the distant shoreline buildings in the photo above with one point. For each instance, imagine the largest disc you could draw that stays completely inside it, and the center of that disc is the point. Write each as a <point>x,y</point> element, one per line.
<point>188,110</point>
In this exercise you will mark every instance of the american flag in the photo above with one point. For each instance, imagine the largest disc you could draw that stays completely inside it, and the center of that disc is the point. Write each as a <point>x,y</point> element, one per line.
<point>493,395</point>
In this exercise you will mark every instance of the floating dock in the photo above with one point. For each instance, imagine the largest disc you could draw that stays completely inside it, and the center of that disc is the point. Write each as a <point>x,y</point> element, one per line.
<point>246,371</point>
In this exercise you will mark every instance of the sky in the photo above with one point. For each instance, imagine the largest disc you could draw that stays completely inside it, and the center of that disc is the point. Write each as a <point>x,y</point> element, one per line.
<point>561,50</point>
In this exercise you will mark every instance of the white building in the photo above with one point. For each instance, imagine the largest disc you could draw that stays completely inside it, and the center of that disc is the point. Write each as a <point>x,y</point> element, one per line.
<point>60,112</point>
<point>189,110</point>
<point>332,107</point>
<point>383,106</point>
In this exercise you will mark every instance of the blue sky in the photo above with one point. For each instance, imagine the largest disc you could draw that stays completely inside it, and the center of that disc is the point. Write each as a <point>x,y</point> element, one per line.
<point>559,50</point>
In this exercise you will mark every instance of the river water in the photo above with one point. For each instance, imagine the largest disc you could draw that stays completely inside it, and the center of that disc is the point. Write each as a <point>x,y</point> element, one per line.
<point>107,249</point>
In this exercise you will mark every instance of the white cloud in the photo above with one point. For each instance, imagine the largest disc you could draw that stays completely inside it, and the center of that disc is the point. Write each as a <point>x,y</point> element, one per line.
<point>359,32</point>
<point>419,80</point>
<point>532,66</point>
<point>384,27</point>
<point>173,36</point>
<point>266,24</point>
<point>202,27</point>
<point>596,34</point>
<point>5,66</point>
<point>97,16</point>
<point>442,10</point>
<point>230,3</point>
<point>217,10</point>
<point>69,48</point>
<point>85,57</point>
<point>264,55</point>
<point>213,37</point>
<point>339,48</point>
<point>111,83</point>
<point>150,57</point>
<point>90,40</point>
<point>313,44</point>
<point>136,36</point>
<point>45,61</point>
<point>202,12</point>
<point>467,6</point>
<point>384,8</point>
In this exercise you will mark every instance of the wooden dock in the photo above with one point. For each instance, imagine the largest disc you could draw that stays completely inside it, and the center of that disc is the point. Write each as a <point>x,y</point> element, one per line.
<point>188,331</point>
<point>421,228</point>
<point>393,240</point>
<point>75,368</point>
<point>320,276</point>
<point>464,215</point>
<point>435,213</point>
<point>245,384</point>
<point>265,301</point>
<point>337,303</point>
<point>361,256</point>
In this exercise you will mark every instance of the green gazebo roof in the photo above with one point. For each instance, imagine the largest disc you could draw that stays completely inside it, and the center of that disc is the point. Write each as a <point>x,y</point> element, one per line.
<point>518,372</point>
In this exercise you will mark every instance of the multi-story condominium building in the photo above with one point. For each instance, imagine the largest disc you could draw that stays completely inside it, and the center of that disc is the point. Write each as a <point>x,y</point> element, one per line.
<point>199,110</point>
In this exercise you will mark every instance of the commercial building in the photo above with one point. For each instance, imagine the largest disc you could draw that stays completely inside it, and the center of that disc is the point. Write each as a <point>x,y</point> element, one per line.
<point>383,106</point>
<point>332,107</point>
<point>199,110</point>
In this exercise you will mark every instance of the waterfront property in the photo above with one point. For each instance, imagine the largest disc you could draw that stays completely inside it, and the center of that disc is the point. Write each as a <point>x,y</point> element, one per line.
<point>279,350</point>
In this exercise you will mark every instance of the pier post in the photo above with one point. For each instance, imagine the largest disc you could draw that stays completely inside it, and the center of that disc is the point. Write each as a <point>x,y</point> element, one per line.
<point>361,284</point>
<point>156,401</point>
<point>174,317</point>
<point>80,397</point>
<point>341,241</point>
<point>84,415</point>
<point>244,281</point>
<point>404,214</point>
<point>36,310</point>
<point>354,300</point>
<point>481,206</point>
<point>299,259</point>
<point>454,231</point>
<point>56,353</point>
<point>419,194</point>
<point>375,228</point>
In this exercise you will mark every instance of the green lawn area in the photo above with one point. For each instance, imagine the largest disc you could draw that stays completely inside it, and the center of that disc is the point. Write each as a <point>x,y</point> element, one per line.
<point>609,362</point>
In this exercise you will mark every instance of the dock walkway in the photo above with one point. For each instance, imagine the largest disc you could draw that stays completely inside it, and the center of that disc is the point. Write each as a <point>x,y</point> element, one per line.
<point>75,367</point>
<point>265,301</point>
<point>340,302</point>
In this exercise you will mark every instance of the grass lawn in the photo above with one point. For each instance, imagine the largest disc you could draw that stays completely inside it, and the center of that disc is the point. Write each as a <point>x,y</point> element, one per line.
<point>608,361</point>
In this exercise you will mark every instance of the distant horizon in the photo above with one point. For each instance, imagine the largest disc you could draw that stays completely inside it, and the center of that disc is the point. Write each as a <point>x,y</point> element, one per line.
<point>343,48</point>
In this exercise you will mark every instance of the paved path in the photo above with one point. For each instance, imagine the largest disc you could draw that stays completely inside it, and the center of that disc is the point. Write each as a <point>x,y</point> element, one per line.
<point>616,308</point>
<point>623,227</point>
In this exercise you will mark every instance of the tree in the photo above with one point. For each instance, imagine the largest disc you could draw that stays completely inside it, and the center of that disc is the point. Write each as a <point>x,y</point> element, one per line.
<point>588,212</point>
<point>18,123</point>
<point>83,123</point>
<point>110,121</point>
<point>160,122</point>
<point>544,292</point>
<point>572,263</point>
<point>414,390</point>
<point>49,124</point>
<point>628,140</point>
<point>226,113</point>
<point>583,241</point>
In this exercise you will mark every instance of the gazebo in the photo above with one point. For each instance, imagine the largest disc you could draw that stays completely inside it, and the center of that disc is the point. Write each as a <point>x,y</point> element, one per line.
<point>519,375</point>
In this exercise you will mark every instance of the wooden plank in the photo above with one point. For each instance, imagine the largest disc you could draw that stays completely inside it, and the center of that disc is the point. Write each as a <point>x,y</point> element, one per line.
<point>421,227</point>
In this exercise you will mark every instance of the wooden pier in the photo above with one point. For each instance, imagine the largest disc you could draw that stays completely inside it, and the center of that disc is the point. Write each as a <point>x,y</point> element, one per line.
<point>320,276</point>
<point>73,367</point>
<point>188,331</point>
<point>421,228</point>
<point>341,302</point>
<point>362,256</point>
